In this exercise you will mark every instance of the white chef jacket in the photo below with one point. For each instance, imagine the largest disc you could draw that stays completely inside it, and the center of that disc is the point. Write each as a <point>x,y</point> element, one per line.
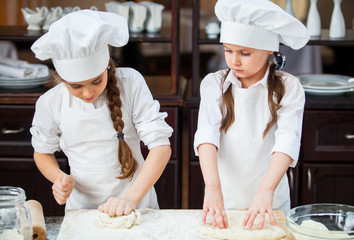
<point>85,133</point>
<point>243,155</point>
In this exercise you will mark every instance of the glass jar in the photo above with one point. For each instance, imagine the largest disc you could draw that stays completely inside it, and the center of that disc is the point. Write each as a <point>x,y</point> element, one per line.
<point>15,218</point>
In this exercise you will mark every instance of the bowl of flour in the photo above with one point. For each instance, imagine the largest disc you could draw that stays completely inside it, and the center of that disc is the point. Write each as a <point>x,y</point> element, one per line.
<point>326,221</point>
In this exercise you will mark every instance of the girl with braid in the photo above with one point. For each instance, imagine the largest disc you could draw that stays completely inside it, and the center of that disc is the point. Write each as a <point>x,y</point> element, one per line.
<point>250,116</point>
<point>97,116</point>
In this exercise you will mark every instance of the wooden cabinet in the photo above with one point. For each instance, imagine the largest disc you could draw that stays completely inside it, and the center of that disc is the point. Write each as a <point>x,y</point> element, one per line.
<point>328,136</point>
<point>15,138</point>
<point>327,161</point>
<point>22,172</point>
<point>293,178</point>
<point>17,167</point>
<point>196,182</point>
<point>327,183</point>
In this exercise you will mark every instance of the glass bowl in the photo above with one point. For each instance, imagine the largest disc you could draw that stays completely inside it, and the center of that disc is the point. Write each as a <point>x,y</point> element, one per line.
<point>321,221</point>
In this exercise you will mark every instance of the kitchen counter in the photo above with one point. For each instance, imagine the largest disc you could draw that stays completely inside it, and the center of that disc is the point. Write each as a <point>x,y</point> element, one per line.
<point>53,226</point>
<point>156,224</point>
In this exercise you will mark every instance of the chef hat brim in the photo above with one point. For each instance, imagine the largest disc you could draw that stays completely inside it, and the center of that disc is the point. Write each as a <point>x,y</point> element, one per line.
<point>78,70</point>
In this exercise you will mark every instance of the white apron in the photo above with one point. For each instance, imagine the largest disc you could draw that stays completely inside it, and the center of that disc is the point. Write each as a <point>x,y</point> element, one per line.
<point>245,156</point>
<point>89,141</point>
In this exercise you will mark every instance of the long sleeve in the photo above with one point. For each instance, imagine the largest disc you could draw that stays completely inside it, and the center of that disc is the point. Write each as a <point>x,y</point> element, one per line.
<point>145,111</point>
<point>44,130</point>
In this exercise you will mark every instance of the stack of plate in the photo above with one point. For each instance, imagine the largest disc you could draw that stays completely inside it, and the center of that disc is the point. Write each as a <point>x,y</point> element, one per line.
<point>23,83</point>
<point>327,84</point>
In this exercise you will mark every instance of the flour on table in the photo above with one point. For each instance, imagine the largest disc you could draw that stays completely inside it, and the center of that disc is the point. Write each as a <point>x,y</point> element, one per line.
<point>237,231</point>
<point>12,234</point>
<point>103,220</point>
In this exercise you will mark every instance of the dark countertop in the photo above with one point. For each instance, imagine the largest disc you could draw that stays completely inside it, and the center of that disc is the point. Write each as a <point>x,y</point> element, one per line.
<point>52,225</point>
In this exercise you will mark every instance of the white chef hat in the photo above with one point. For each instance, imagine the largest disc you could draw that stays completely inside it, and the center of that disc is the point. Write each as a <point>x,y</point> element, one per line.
<point>78,43</point>
<point>259,24</point>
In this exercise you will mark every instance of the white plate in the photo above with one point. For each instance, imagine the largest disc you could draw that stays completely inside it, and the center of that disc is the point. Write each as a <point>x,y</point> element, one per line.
<point>328,92</point>
<point>326,82</point>
<point>23,86</point>
<point>24,83</point>
<point>6,78</point>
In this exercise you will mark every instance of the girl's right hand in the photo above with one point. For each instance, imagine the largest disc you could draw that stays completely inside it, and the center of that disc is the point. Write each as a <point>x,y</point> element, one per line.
<point>62,188</point>
<point>214,205</point>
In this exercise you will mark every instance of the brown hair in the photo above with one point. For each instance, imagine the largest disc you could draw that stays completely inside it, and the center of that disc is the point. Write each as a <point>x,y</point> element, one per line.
<point>125,156</point>
<point>275,88</point>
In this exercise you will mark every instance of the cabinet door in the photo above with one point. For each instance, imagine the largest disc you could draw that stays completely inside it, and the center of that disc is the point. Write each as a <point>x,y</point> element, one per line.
<point>15,137</point>
<point>196,181</point>
<point>293,178</point>
<point>328,136</point>
<point>327,183</point>
<point>196,186</point>
<point>23,172</point>
<point>168,187</point>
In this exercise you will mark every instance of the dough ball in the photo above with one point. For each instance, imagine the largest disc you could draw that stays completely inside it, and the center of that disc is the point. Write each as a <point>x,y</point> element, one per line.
<point>103,220</point>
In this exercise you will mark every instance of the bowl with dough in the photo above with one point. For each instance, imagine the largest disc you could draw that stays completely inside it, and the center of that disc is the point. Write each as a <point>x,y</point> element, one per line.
<point>325,221</point>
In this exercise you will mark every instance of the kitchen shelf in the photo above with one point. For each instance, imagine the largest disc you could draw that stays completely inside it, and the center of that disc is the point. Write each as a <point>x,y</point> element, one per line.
<point>23,38</point>
<point>160,87</point>
<point>20,34</point>
<point>324,39</point>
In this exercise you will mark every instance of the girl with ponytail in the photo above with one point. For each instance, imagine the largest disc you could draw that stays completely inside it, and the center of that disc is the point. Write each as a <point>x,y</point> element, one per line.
<point>97,115</point>
<point>250,115</point>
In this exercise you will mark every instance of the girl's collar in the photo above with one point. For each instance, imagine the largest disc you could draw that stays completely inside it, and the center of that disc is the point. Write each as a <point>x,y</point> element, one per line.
<point>231,78</point>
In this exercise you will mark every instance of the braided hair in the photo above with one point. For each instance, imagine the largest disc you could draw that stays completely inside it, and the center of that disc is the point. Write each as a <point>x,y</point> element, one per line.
<point>125,156</point>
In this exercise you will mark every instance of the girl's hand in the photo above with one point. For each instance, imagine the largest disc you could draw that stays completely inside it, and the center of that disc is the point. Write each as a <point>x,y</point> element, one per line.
<point>62,188</point>
<point>117,207</point>
<point>214,205</point>
<point>261,205</point>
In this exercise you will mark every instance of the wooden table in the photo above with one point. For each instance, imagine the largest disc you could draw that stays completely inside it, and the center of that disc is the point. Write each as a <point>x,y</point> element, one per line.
<point>156,224</point>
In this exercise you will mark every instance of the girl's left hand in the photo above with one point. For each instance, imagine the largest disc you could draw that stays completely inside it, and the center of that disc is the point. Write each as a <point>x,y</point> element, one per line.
<point>117,207</point>
<point>261,205</point>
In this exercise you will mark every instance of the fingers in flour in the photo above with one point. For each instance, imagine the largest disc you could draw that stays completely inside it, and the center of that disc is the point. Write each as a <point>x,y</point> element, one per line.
<point>271,216</point>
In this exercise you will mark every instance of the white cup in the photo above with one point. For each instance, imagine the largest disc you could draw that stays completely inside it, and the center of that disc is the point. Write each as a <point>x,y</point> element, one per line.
<point>212,29</point>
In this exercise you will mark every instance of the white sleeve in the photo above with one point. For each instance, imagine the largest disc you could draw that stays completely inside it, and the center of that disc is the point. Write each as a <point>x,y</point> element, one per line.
<point>210,114</point>
<point>44,130</point>
<point>146,116</point>
<point>288,133</point>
